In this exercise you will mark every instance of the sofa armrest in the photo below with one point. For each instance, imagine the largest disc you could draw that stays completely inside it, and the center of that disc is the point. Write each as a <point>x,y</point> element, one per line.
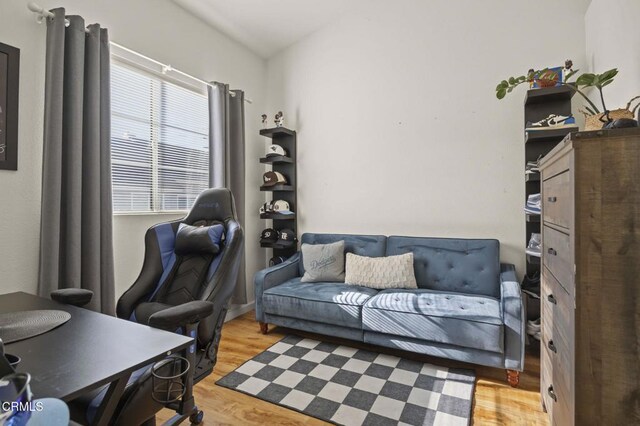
<point>273,276</point>
<point>513,316</point>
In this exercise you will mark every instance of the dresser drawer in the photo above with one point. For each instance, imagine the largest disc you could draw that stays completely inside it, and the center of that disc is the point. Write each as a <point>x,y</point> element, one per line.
<point>554,165</point>
<point>560,354</point>
<point>554,396</point>
<point>558,306</point>
<point>557,256</point>
<point>546,387</point>
<point>557,201</point>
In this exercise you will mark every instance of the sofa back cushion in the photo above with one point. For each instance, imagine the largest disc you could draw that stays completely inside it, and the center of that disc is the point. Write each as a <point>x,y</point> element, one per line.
<point>362,245</point>
<point>448,264</point>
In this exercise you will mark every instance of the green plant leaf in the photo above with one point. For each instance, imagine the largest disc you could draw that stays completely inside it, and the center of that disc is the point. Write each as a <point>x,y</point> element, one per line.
<point>608,75</point>
<point>501,93</point>
<point>606,83</point>
<point>586,79</point>
<point>570,74</point>
<point>512,81</point>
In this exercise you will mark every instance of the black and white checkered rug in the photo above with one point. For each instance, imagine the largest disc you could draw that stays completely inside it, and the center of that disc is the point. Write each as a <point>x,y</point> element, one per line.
<point>349,386</point>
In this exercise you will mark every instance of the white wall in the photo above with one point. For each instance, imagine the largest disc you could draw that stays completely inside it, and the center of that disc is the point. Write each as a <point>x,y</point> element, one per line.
<point>158,29</point>
<point>399,128</point>
<point>612,39</point>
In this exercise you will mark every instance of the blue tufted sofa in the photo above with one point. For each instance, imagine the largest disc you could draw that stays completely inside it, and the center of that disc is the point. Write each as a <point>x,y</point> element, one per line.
<point>467,307</point>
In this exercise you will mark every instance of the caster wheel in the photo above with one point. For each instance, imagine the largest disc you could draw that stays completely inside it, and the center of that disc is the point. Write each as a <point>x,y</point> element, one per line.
<point>196,418</point>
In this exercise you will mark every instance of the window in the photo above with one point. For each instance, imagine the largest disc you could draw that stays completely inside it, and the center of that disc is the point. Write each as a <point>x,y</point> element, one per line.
<point>159,142</point>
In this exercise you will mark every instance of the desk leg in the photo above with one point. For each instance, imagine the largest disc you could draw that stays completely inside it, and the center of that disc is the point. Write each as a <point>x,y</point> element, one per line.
<point>110,401</point>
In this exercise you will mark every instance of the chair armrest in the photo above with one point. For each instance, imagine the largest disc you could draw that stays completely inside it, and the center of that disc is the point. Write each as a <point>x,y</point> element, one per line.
<point>72,296</point>
<point>181,315</point>
<point>513,317</point>
<point>274,276</point>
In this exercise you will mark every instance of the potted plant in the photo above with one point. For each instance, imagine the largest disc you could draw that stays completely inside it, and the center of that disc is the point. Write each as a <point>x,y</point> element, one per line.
<point>595,118</point>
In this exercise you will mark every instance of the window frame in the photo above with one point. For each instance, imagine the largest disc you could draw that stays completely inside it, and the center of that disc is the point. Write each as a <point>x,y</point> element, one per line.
<point>155,158</point>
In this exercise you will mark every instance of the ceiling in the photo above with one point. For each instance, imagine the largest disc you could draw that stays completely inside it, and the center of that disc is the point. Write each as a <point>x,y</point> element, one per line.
<point>267,27</point>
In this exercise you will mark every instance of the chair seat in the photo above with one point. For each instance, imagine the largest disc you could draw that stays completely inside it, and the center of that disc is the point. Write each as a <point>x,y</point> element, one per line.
<point>144,311</point>
<point>459,319</point>
<point>332,303</point>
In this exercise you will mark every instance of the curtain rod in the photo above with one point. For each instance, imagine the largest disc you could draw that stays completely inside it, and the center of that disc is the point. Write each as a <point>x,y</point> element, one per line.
<point>44,14</point>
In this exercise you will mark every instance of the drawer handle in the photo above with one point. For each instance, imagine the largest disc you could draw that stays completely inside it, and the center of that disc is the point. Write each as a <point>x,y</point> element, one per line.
<point>552,251</point>
<point>552,347</point>
<point>552,299</point>
<point>552,394</point>
<point>552,199</point>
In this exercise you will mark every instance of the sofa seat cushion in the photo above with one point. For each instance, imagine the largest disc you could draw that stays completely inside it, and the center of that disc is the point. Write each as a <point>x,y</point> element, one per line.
<point>459,319</point>
<point>331,303</point>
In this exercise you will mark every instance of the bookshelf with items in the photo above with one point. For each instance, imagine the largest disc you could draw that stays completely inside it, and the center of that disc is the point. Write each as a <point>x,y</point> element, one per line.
<point>281,183</point>
<point>540,104</point>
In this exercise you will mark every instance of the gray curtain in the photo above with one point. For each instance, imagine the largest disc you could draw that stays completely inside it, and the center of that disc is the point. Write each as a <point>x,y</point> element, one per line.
<point>76,234</point>
<point>226,157</point>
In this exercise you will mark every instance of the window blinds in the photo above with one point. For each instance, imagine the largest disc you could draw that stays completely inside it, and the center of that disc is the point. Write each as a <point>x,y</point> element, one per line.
<point>159,142</point>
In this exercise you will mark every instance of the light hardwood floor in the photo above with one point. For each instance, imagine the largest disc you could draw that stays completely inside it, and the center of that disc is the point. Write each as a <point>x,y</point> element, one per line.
<point>494,403</point>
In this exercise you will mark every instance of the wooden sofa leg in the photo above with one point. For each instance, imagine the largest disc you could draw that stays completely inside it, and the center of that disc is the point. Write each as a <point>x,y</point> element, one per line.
<point>513,377</point>
<point>264,327</point>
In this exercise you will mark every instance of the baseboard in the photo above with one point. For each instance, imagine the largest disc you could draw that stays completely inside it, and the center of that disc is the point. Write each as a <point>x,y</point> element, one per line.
<point>237,310</point>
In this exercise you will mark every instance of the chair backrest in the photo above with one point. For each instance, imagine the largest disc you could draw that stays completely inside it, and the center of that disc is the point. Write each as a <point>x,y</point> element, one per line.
<point>174,279</point>
<point>469,266</point>
<point>362,245</point>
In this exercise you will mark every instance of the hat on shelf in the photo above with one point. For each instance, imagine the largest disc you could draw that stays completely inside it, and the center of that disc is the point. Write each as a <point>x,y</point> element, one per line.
<point>276,150</point>
<point>286,238</point>
<point>276,260</point>
<point>281,207</point>
<point>269,235</point>
<point>273,178</point>
<point>266,208</point>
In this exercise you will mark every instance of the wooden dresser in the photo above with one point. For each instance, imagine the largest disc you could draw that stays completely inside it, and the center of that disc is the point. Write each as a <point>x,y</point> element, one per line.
<point>590,347</point>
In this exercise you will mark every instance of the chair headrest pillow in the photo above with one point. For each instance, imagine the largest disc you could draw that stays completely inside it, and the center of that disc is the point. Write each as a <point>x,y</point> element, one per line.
<point>199,239</point>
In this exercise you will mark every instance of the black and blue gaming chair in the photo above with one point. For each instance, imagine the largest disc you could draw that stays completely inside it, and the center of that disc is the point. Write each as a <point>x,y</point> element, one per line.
<point>189,273</point>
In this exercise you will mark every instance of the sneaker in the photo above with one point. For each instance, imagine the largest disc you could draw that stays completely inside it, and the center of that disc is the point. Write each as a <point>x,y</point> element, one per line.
<point>553,121</point>
<point>534,204</point>
<point>534,327</point>
<point>534,248</point>
<point>533,166</point>
<point>531,284</point>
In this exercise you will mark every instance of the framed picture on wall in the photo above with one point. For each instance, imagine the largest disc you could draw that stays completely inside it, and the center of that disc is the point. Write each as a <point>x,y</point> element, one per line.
<point>9,79</point>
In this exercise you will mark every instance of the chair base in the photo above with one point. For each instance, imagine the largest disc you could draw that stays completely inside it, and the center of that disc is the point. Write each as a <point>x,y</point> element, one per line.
<point>264,327</point>
<point>513,378</point>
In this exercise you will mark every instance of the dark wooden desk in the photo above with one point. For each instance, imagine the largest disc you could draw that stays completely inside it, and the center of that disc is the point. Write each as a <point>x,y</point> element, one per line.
<point>87,352</point>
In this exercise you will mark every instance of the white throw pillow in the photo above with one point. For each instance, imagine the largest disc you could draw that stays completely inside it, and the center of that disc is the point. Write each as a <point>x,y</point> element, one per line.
<point>381,272</point>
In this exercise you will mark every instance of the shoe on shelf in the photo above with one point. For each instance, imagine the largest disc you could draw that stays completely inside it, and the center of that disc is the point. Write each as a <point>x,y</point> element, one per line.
<point>532,167</point>
<point>553,121</point>
<point>534,204</point>
<point>534,248</point>
<point>531,284</point>
<point>534,327</point>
